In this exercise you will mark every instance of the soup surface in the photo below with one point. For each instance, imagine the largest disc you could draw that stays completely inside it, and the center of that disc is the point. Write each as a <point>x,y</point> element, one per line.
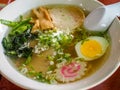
<point>50,45</point>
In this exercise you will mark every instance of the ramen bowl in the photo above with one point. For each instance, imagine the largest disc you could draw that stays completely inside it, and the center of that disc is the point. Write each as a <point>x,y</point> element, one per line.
<point>9,71</point>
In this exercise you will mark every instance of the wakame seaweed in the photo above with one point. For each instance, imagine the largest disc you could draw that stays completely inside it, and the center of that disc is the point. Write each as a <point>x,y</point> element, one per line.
<point>16,43</point>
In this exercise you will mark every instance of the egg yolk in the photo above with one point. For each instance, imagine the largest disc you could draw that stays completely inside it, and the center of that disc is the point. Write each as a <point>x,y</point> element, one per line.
<point>91,48</point>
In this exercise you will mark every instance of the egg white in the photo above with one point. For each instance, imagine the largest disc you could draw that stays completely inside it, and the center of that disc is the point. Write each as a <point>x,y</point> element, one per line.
<point>102,41</point>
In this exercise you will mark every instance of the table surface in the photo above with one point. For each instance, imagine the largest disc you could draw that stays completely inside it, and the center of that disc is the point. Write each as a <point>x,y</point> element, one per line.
<point>112,83</point>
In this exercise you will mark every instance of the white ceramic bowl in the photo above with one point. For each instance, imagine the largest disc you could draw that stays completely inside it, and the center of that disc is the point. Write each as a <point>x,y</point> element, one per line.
<point>7,68</point>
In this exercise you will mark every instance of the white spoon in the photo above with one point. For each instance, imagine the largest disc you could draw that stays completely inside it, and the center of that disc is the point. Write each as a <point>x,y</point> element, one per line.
<point>101,18</point>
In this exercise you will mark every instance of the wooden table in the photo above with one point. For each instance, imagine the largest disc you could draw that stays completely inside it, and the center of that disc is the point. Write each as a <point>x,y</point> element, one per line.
<point>112,83</point>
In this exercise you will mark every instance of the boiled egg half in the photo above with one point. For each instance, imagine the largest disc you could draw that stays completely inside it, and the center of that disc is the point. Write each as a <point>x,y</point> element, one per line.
<point>91,48</point>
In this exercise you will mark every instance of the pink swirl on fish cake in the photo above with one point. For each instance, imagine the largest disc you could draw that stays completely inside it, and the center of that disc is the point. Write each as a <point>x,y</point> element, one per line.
<point>70,70</point>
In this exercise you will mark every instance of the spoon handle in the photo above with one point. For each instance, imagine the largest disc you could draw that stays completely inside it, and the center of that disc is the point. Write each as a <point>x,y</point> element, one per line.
<point>114,8</point>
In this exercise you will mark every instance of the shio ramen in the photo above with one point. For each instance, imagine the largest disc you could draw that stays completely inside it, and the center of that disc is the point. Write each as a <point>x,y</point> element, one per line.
<point>50,45</point>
